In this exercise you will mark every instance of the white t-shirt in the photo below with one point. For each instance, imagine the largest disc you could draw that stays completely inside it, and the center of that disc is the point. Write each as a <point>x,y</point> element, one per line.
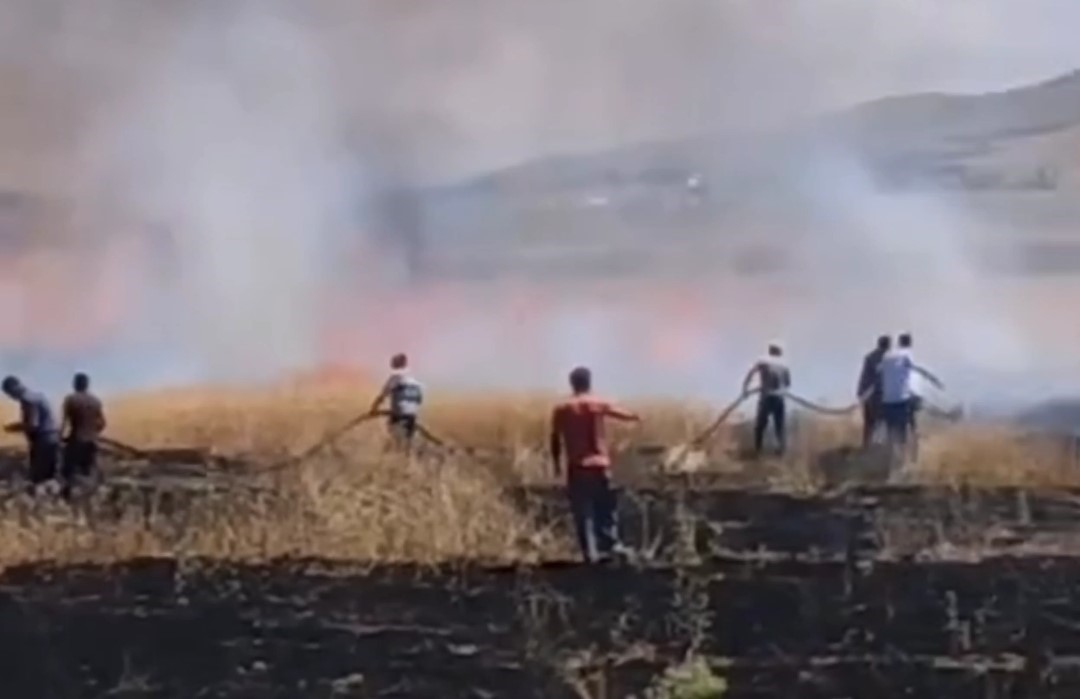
<point>406,394</point>
<point>897,374</point>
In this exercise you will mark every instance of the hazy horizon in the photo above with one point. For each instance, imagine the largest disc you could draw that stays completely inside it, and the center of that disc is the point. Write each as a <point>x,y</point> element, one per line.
<point>255,133</point>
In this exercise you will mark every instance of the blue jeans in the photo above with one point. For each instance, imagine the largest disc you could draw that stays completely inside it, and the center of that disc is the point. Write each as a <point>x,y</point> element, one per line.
<point>898,421</point>
<point>593,505</point>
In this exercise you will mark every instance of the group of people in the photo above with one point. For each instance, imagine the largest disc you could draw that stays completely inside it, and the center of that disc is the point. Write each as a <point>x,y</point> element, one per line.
<point>67,451</point>
<point>889,395</point>
<point>578,443</point>
<point>886,390</point>
<point>64,451</point>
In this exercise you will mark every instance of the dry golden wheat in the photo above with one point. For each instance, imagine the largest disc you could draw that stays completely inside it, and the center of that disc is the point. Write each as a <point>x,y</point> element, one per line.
<point>357,502</point>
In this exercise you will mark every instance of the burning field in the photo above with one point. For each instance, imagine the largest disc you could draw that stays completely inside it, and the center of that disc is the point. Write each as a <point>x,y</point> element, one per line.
<point>229,193</point>
<point>208,565</point>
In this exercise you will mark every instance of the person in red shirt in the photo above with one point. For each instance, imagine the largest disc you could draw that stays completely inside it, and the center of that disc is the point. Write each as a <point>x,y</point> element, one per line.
<point>577,432</point>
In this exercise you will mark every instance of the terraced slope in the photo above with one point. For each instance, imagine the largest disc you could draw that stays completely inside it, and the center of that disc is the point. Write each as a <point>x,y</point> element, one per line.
<point>817,597</point>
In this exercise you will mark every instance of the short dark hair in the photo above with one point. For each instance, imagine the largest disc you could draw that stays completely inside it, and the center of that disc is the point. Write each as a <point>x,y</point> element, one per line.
<point>884,342</point>
<point>399,361</point>
<point>81,382</point>
<point>904,340</point>
<point>11,384</point>
<point>775,350</point>
<point>581,380</point>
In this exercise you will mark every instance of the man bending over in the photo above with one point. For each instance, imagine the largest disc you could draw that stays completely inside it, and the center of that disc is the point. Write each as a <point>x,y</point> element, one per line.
<point>38,425</point>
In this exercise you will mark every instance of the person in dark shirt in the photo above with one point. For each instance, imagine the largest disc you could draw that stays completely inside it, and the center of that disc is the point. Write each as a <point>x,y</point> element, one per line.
<point>38,425</point>
<point>577,430</point>
<point>869,389</point>
<point>774,379</point>
<point>82,424</point>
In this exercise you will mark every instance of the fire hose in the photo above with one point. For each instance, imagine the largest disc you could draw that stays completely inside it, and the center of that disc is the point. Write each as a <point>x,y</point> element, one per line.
<point>327,440</point>
<point>683,450</point>
<point>337,433</point>
<point>795,398</point>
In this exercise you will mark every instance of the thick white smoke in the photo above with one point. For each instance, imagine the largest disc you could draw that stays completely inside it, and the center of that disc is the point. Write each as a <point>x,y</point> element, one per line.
<point>876,260</point>
<point>250,131</point>
<point>231,139</point>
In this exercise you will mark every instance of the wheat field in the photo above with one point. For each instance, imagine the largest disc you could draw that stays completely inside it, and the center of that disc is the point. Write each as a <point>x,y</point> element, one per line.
<point>356,500</point>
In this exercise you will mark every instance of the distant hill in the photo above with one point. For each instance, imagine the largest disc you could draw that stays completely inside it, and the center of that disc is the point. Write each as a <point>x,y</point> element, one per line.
<point>1014,154</point>
<point>1024,138</point>
<point>928,129</point>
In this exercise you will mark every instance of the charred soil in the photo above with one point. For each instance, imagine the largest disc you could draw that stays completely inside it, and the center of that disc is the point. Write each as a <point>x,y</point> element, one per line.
<point>888,591</point>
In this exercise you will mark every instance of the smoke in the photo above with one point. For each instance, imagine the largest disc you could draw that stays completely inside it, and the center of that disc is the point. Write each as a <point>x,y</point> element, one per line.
<point>880,261</point>
<point>232,139</point>
<point>245,142</point>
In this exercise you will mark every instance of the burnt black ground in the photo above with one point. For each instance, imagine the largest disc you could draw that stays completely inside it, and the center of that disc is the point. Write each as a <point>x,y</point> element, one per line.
<point>855,594</point>
<point>1002,627</point>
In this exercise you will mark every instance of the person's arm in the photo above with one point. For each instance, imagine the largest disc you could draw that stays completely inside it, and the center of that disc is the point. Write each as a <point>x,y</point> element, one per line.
<point>750,377</point>
<point>555,442</point>
<point>29,421</point>
<point>866,377</point>
<point>384,393</point>
<point>787,378</point>
<point>101,423</point>
<point>65,421</point>
<point>618,413</point>
<point>929,376</point>
<point>878,371</point>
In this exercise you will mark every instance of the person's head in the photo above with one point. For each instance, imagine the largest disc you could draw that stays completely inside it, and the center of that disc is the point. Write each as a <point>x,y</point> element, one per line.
<point>884,342</point>
<point>580,380</point>
<point>13,387</point>
<point>399,361</point>
<point>904,341</point>
<point>775,350</point>
<point>81,382</point>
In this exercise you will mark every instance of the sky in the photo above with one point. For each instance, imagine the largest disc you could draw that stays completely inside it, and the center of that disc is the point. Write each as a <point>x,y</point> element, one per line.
<point>451,88</point>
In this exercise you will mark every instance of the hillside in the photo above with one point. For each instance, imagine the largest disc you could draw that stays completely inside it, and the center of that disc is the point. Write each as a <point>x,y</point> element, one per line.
<point>959,128</point>
<point>972,141</point>
<point>1008,160</point>
<point>1004,164</point>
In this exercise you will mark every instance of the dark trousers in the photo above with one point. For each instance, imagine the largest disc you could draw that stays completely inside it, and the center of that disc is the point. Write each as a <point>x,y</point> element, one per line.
<point>44,453</point>
<point>402,427</point>
<point>872,419</point>
<point>899,419</point>
<point>593,505</point>
<point>774,409</point>
<point>80,459</point>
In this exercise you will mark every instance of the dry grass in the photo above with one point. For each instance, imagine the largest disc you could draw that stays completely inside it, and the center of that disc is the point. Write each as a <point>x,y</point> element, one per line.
<point>358,502</point>
<point>267,423</point>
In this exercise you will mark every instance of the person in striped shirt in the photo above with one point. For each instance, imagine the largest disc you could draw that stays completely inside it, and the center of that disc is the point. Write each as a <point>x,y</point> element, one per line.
<point>405,395</point>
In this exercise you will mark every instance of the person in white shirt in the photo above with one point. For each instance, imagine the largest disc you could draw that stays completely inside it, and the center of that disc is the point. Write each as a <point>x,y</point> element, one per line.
<point>899,400</point>
<point>405,394</point>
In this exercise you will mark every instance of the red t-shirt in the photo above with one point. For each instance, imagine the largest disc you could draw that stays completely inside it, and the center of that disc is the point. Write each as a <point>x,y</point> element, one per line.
<point>579,422</point>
